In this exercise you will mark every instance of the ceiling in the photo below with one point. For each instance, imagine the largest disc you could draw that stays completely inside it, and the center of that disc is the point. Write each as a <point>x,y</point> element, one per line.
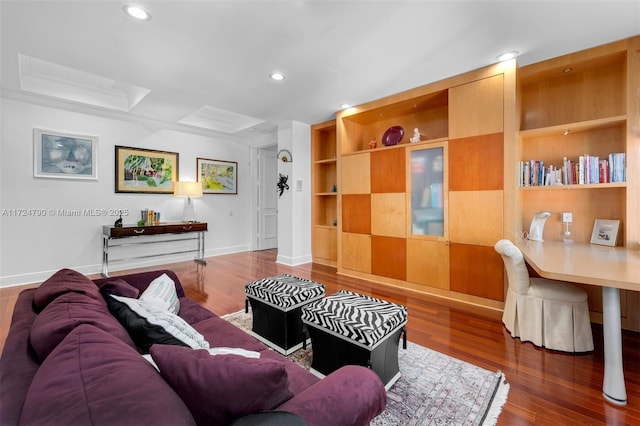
<point>206,63</point>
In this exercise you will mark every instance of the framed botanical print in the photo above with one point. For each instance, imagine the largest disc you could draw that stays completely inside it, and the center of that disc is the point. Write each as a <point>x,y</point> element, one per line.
<point>145,171</point>
<point>217,176</point>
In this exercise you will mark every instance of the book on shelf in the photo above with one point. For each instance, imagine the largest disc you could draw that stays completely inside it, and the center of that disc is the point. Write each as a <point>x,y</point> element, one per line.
<point>587,169</point>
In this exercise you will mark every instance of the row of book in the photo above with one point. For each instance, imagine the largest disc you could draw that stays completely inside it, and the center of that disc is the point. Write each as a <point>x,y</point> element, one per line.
<point>587,169</point>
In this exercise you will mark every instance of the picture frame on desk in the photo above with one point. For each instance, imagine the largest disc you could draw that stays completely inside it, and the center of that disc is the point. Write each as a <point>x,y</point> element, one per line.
<point>145,171</point>
<point>64,155</point>
<point>217,176</point>
<point>605,232</point>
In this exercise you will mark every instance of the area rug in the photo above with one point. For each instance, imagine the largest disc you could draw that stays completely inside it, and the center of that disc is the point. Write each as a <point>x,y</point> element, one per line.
<point>434,389</point>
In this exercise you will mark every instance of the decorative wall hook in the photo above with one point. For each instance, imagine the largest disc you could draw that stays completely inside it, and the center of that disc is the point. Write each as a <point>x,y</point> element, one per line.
<point>282,183</point>
<point>285,156</point>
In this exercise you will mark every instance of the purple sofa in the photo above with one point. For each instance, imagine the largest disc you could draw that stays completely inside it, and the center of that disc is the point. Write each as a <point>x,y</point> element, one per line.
<point>68,360</point>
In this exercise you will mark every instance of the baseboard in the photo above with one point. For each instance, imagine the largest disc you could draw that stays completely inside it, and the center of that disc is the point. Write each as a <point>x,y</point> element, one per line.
<point>40,276</point>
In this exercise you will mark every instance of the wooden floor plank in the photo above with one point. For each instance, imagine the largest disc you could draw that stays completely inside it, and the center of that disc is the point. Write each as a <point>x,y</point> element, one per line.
<point>546,387</point>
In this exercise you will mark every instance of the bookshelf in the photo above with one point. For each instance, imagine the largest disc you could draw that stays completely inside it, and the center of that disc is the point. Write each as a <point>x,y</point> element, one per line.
<point>573,106</point>
<point>324,193</point>
<point>584,103</point>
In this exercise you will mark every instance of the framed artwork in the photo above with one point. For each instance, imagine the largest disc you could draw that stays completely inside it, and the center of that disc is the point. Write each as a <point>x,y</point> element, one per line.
<point>217,176</point>
<point>605,232</point>
<point>62,155</point>
<point>145,171</point>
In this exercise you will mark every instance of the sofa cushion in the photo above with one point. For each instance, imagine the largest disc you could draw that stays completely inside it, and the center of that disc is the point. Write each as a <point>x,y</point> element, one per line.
<point>148,324</point>
<point>67,312</point>
<point>162,294</point>
<point>64,281</point>
<point>218,389</point>
<point>119,287</point>
<point>93,378</point>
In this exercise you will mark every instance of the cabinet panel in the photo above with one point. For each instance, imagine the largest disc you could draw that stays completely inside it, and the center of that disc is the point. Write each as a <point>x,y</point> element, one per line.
<point>388,215</point>
<point>476,217</point>
<point>356,252</point>
<point>356,174</point>
<point>324,191</point>
<point>428,263</point>
<point>325,245</point>
<point>389,257</point>
<point>388,170</point>
<point>356,213</point>
<point>477,270</point>
<point>476,108</point>
<point>475,163</point>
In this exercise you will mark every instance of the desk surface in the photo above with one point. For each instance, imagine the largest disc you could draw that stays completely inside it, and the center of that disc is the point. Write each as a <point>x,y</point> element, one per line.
<point>584,263</point>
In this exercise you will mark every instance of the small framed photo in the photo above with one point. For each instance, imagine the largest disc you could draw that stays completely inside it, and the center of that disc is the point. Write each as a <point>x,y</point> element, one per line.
<point>605,232</point>
<point>145,171</point>
<point>62,155</point>
<point>217,176</point>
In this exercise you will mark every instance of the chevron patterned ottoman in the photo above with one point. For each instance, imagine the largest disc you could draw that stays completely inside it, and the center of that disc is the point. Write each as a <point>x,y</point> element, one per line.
<point>276,304</point>
<point>349,328</point>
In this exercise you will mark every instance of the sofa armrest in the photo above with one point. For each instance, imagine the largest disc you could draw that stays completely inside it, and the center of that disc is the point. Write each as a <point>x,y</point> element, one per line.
<point>141,280</point>
<point>19,363</point>
<point>351,395</point>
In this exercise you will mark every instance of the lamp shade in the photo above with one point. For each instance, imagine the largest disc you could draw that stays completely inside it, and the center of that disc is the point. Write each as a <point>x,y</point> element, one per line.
<point>187,189</point>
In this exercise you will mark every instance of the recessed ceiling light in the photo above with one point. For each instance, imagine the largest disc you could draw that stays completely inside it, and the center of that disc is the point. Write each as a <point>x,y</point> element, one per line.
<point>345,106</point>
<point>277,76</point>
<point>137,12</point>
<point>507,56</point>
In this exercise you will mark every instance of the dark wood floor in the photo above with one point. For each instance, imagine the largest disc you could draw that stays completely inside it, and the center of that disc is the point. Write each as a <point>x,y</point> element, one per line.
<point>546,387</point>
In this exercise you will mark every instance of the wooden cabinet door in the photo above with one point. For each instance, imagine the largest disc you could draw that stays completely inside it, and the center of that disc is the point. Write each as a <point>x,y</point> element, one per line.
<point>476,108</point>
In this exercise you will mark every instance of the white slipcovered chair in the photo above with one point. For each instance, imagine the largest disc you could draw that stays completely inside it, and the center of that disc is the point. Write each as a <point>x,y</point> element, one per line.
<point>548,313</point>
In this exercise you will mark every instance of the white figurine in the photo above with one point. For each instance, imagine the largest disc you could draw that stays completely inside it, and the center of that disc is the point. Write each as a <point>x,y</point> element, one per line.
<point>416,136</point>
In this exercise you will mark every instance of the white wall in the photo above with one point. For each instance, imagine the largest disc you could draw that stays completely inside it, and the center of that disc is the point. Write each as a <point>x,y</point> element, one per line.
<point>33,247</point>
<point>294,207</point>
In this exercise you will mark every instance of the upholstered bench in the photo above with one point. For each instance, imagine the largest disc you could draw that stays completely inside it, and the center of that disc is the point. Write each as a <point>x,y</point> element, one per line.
<point>349,328</point>
<point>276,304</point>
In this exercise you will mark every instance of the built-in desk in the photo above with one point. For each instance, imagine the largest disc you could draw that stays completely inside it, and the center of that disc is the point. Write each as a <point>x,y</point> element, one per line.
<point>113,236</point>
<point>612,268</point>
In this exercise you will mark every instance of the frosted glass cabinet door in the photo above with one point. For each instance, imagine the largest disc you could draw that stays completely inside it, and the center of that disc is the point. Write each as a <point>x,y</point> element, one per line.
<point>428,185</point>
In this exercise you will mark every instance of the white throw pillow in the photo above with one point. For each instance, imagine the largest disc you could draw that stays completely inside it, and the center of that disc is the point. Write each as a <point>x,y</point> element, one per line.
<point>171,323</point>
<point>162,294</point>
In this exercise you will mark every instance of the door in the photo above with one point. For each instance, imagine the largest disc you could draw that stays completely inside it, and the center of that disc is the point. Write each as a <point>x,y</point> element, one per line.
<point>267,199</point>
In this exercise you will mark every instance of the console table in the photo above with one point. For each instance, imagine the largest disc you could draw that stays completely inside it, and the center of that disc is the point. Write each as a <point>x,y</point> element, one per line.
<point>126,235</point>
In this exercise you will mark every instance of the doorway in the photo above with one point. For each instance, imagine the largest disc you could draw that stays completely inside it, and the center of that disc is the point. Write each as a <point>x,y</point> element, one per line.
<point>267,198</point>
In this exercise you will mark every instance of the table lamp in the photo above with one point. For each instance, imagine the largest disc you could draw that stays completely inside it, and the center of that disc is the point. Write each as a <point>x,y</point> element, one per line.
<point>189,190</point>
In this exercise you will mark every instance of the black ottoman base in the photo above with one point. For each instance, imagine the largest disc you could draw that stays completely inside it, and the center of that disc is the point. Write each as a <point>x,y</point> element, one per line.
<point>331,352</point>
<point>278,329</point>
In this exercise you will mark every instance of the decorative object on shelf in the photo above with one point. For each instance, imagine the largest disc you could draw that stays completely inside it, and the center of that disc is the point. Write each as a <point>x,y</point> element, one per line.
<point>416,136</point>
<point>118,222</point>
<point>188,190</point>
<point>392,136</point>
<point>217,176</point>
<point>605,232</point>
<point>285,156</point>
<point>334,188</point>
<point>536,230</point>
<point>64,155</point>
<point>145,171</point>
<point>373,143</point>
<point>282,183</point>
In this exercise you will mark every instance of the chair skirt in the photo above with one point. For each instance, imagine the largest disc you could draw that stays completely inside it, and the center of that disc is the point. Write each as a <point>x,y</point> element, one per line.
<point>554,315</point>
